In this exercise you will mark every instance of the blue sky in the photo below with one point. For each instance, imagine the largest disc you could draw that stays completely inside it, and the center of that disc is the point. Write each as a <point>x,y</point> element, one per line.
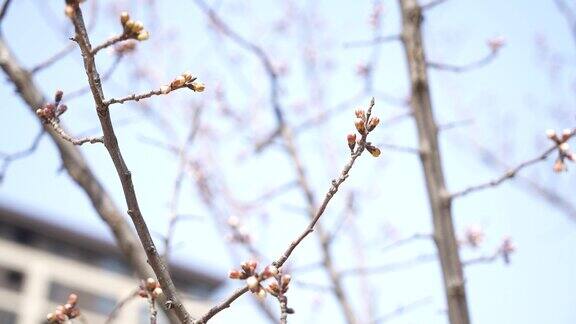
<point>512,101</point>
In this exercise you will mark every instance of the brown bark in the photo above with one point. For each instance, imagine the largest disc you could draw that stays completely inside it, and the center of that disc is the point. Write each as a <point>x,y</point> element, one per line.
<point>438,196</point>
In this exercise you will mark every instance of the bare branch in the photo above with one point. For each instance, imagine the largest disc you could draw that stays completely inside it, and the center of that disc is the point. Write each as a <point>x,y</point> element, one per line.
<point>4,9</point>
<point>118,307</point>
<point>374,41</point>
<point>466,67</point>
<point>432,4</point>
<point>110,42</point>
<point>53,59</point>
<point>569,15</point>
<point>513,171</point>
<point>107,75</point>
<point>399,148</point>
<point>7,159</point>
<point>111,143</point>
<point>403,309</point>
<point>431,161</point>
<point>309,229</point>
<point>406,240</point>
<point>79,170</point>
<point>390,267</point>
<point>76,141</point>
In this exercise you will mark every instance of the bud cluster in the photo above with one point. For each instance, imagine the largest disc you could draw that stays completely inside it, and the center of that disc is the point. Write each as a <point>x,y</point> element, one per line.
<point>248,272</point>
<point>279,286</point>
<point>150,289</point>
<point>496,43</point>
<point>364,124</point>
<point>184,80</point>
<point>52,110</point>
<point>564,152</point>
<point>64,313</point>
<point>133,29</point>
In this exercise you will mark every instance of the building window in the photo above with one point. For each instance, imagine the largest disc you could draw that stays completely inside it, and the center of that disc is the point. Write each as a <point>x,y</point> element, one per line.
<point>86,300</point>
<point>11,279</point>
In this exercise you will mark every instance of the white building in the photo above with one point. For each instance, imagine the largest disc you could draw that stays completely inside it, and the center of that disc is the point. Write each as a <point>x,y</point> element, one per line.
<point>42,263</point>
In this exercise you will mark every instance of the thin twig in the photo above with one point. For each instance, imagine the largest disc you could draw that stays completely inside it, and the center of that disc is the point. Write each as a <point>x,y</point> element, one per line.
<point>138,97</point>
<point>177,187</point>
<point>112,316</point>
<point>402,309</point>
<point>291,150</point>
<point>7,159</point>
<point>406,240</point>
<point>483,259</point>
<point>466,67</point>
<point>76,141</point>
<point>513,171</point>
<point>110,42</point>
<point>4,9</point>
<point>105,76</point>
<point>390,267</point>
<point>374,41</point>
<point>399,148</point>
<point>309,229</point>
<point>432,4</point>
<point>53,59</point>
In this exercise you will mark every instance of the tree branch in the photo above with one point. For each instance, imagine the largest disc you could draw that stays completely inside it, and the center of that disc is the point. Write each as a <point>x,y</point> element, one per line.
<point>438,196</point>
<point>513,171</point>
<point>111,143</point>
<point>466,67</point>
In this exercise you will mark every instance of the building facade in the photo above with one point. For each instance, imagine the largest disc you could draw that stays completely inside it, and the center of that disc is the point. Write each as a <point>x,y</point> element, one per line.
<point>42,263</point>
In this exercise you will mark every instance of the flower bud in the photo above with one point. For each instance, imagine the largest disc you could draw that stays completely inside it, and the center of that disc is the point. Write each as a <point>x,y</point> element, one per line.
<point>138,26</point>
<point>58,96</point>
<point>270,271</point>
<point>551,134</point>
<point>129,24</point>
<point>351,138</point>
<point>564,147</point>
<point>566,134</point>
<point>496,43</point>
<point>374,121</point>
<point>198,86</point>
<point>559,166</point>
<point>143,35</point>
<point>124,17</point>
<point>252,265</point>
<point>187,76</point>
<point>69,11</point>
<point>373,150</point>
<point>286,279</point>
<point>359,123</point>
<point>261,294</point>
<point>156,292</point>
<point>360,113</point>
<point>234,274</point>
<point>150,284</point>
<point>178,82</point>
<point>253,283</point>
